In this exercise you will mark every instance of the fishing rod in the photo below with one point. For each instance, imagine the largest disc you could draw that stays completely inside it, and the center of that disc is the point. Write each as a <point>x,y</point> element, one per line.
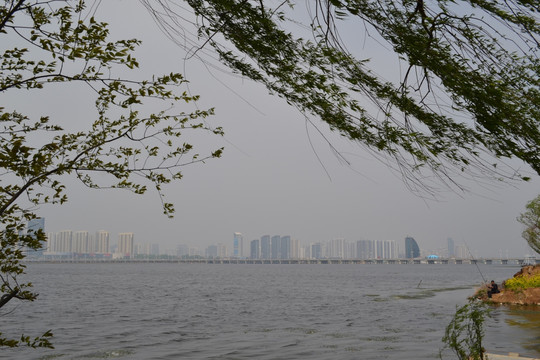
<point>475,262</point>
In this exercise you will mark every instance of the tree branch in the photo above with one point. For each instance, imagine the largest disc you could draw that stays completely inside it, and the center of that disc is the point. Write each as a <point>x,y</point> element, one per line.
<point>9,15</point>
<point>7,297</point>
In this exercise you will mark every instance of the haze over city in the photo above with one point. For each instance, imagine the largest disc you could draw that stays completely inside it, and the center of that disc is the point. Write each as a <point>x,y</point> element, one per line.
<point>278,174</point>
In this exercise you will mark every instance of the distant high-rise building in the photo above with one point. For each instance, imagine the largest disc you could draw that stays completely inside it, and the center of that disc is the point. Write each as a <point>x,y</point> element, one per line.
<point>211,252</point>
<point>125,244</point>
<point>275,247</point>
<point>144,249</point>
<point>316,251</point>
<point>411,248</point>
<point>295,249</point>
<point>390,250</point>
<point>64,241</point>
<point>266,247</point>
<point>336,248</point>
<point>155,249</point>
<point>51,242</point>
<point>304,251</point>
<point>365,249</point>
<point>255,251</point>
<point>182,250</point>
<point>451,247</point>
<point>193,251</point>
<point>222,251</point>
<point>102,242</point>
<point>350,251</point>
<point>80,242</point>
<point>238,245</point>
<point>285,247</point>
<point>462,252</point>
<point>379,249</point>
<point>91,247</point>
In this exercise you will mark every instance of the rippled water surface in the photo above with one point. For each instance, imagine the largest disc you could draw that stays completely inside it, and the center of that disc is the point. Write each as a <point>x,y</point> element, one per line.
<point>196,311</point>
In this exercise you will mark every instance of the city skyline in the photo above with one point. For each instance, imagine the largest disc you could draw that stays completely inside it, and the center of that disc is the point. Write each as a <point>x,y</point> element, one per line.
<point>336,249</point>
<point>244,249</point>
<point>264,247</point>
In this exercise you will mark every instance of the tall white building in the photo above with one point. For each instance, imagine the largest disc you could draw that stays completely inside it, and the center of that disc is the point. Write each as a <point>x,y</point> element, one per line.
<point>462,252</point>
<point>64,241</point>
<point>222,251</point>
<point>51,242</point>
<point>143,249</point>
<point>125,244</point>
<point>387,249</point>
<point>102,243</point>
<point>295,249</point>
<point>336,249</point>
<point>391,249</point>
<point>80,242</point>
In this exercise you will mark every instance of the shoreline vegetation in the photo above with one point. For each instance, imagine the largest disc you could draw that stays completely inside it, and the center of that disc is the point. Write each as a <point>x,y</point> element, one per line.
<point>522,289</point>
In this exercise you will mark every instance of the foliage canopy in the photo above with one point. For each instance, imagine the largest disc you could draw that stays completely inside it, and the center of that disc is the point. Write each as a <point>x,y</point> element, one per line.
<point>466,98</point>
<point>531,219</point>
<point>46,44</point>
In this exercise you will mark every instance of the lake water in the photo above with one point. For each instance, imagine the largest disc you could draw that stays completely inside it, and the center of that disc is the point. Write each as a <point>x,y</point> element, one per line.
<point>198,311</point>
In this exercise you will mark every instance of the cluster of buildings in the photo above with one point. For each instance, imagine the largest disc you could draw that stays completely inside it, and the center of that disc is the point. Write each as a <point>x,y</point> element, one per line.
<point>86,244</point>
<point>286,247</point>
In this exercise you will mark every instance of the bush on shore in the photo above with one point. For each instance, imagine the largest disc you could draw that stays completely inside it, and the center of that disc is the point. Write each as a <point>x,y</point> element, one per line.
<point>522,282</point>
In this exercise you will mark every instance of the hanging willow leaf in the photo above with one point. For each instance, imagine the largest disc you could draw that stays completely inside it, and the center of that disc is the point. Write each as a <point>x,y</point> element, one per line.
<point>468,90</point>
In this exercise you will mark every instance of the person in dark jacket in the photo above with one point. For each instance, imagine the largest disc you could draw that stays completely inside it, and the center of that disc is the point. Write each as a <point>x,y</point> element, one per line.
<point>493,288</point>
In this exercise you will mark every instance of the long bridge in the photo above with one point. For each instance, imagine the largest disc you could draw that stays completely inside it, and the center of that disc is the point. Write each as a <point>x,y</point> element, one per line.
<point>514,261</point>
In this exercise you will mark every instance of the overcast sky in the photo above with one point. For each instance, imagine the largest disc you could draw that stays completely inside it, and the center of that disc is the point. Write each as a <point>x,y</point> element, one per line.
<point>277,176</point>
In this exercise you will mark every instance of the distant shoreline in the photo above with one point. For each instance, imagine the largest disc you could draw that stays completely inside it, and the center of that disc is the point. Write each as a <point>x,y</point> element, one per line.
<point>515,262</point>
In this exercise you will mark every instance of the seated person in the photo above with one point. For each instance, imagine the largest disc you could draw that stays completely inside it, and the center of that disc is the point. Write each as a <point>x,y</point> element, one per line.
<point>492,289</point>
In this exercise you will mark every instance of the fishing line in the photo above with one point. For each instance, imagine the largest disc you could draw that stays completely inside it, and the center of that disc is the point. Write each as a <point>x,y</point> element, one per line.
<point>475,262</point>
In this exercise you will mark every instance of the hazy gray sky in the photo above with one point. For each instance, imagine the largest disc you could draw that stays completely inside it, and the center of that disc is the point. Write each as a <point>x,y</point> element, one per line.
<point>270,179</point>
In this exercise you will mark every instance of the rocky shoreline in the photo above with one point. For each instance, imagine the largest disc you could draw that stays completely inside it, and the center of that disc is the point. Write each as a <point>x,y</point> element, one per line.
<point>530,296</point>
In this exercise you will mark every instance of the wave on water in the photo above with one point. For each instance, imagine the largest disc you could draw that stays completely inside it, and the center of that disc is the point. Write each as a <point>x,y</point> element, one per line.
<point>427,293</point>
<point>108,354</point>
